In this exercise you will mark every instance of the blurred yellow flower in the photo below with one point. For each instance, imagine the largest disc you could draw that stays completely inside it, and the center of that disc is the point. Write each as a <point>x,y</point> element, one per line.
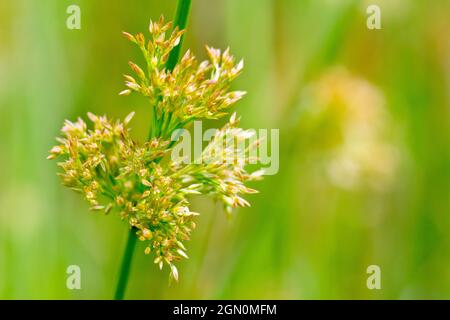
<point>350,122</point>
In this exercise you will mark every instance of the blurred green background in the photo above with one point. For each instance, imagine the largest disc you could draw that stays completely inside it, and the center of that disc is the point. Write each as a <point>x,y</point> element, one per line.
<point>364,174</point>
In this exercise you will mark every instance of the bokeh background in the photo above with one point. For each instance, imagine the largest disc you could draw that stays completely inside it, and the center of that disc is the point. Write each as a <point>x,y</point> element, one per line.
<point>364,118</point>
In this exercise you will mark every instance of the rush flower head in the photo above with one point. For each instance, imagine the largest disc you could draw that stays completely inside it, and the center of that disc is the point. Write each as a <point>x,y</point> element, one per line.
<point>355,149</point>
<point>139,180</point>
<point>192,90</point>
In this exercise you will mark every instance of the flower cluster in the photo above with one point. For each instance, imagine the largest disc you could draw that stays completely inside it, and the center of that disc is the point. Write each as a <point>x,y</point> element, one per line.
<point>355,147</point>
<point>192,90</point>
<point>139,180</point>
<point>221,171</point>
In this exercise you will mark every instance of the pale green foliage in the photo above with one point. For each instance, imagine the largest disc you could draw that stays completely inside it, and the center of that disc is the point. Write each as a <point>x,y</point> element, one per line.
<point>139,180</point>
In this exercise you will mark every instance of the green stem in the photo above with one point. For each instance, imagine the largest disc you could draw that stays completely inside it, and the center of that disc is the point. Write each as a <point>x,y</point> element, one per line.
<point>126,264</point>
<point>180,21</point>
<point>181,18</point>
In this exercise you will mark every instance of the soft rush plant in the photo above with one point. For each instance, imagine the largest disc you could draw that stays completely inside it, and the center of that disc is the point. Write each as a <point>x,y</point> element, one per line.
<point>140,181</point>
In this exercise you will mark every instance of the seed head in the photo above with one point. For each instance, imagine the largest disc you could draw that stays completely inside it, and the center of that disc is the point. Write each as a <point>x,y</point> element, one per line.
<point>137,180</point>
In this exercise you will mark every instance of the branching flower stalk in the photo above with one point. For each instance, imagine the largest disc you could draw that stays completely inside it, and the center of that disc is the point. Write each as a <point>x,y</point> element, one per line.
<point>142,182</point>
